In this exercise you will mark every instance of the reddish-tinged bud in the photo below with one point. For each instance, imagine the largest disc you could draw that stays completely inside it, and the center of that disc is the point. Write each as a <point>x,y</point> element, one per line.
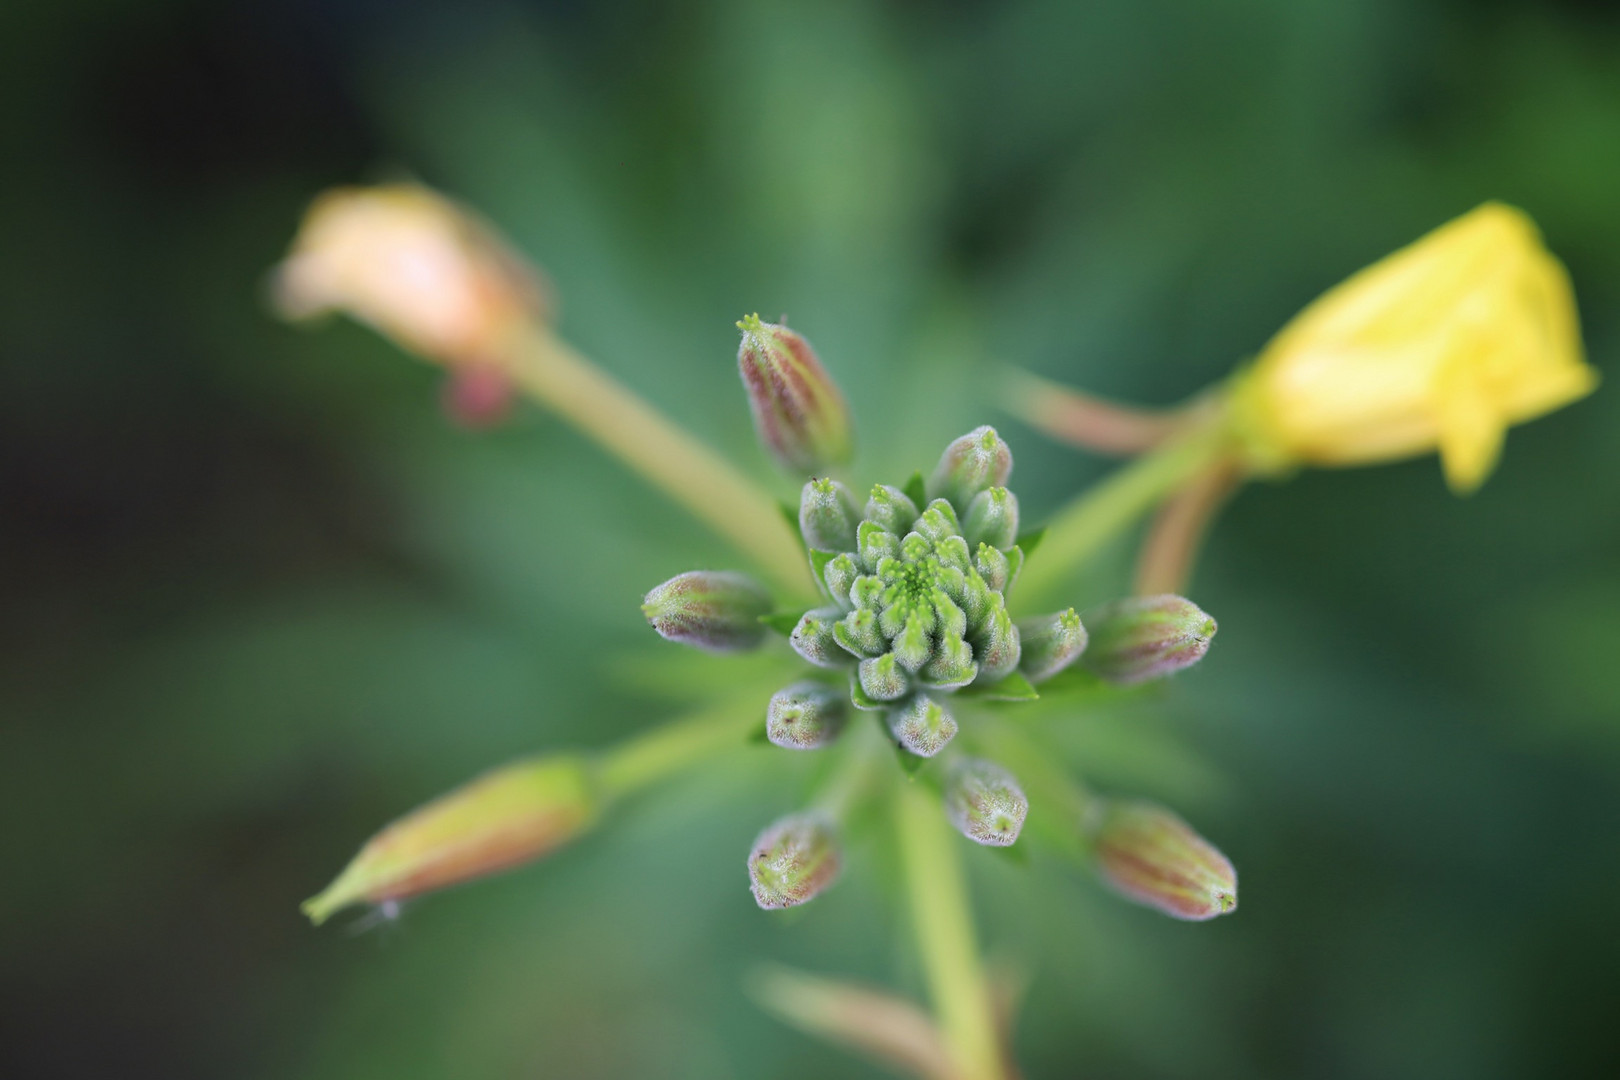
<point>984,802</point>
<point>798,411</point>
<point>714,610</point>
<point>1146,637</point>
<point>793,861</point>
<point>977,461</point>
<point>922,725</point>
<point>501,820</point>
<point>478,396</point>
<point>1153,857</point>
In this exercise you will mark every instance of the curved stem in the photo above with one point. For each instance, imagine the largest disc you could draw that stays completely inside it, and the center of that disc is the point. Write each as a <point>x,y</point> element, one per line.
<point>1090,422</point>
<point>696,477</point>
<point>1177,533</point>
<point>1096,517</point>
<point>649,757</point>
<point>942,914</point>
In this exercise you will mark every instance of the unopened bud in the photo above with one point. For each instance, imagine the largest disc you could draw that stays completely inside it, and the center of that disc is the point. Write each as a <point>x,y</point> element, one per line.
<point>413,264</point>
<point>1049,643</point>
<point>996,646</point>
<point>501,820</point>
<point>714,610</point>
<point>891,508</point>
<point>976,461</point>
<point>882,678</point>
<point>800,415</point>
<point>793,860</point>
<point>806,715</point>
<point>922,725</point>
<point>827,516</point>
<point>984,802</point>
<point>1153,857</point>
<point>815,638</point>
<point>992,518</point>
<point>1146,637</point>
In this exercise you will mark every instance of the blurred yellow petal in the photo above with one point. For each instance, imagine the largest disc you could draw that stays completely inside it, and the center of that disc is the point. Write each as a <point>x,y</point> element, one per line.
<point>1439,346</point>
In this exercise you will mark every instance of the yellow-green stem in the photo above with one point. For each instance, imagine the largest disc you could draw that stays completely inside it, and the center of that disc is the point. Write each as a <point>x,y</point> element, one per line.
<point>661,451</point>
<point>942,914</point>
<point>647,758</point>
<point>1093,519</point>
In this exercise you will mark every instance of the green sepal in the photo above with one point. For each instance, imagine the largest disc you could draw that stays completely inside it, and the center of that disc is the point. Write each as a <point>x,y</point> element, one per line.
<point>860,700</point>
<point>1016,557</point>
<point>818,566</point>
<point>909,762</point>
<point>1013,687</point>
<point>1028,541</point>
<point>782,622</point>
<point>1077,680</point>
<point>916,490</point>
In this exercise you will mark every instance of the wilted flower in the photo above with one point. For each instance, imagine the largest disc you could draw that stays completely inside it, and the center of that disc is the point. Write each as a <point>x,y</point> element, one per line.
<point>413,264</point>
<point>793,861</point>
<point>1146,637</point>
<point>504,818</point>
<point>715,610</point>
<point>798,410</point>
<point>1152,856</point>
<point>1442,345</point>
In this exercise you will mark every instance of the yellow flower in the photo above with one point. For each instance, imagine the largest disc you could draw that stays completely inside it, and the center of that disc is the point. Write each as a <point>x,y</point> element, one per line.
<point>415,266</point>
<point>1442,345</point>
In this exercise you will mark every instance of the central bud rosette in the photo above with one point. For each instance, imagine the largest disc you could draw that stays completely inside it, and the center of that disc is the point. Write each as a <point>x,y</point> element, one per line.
<point>918,580</point>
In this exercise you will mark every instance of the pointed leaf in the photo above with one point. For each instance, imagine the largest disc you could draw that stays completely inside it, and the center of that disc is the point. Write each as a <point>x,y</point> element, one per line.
<point>916,489</point>
<point>1028,541</point>
<point>782,622</point>
<point>1013,687</point>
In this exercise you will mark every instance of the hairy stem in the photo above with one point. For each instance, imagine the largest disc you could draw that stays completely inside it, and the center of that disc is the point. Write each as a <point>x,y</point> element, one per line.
<point>941,912</point>
<point>663,453</point>
<point>1096,517</point>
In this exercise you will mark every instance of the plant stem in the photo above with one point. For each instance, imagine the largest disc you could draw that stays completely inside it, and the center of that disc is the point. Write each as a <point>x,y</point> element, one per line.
<point>1096,517</point>
<point>941,912</point>
<point>653,755</point>
<point>662,452</point>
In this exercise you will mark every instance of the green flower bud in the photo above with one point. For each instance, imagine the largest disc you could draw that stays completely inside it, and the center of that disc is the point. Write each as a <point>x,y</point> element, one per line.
<point>992,518</point>
<point>1146,637</point>
<point>714,610</point>
<point>800,415</point>
<point>976,461</point>
<point>793,860</point>
<point>938,521</point>
<point>953,666</point>
<point>839,575</point>
<point>827,516</point>
<point>501,820</point>
<point>922,725</point>
<point>883,678</point>
<point>806,715</point>
<point>997,646</point>
<point>993,566</point>
<point>984,802</point>
<point>890,508</point>
<point>1153,857</point>
<point>876,544</point>
<point>1049,643</point>
<point>815,638</point>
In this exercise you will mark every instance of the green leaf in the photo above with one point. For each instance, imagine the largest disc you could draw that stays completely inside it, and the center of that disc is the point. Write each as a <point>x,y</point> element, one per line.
<point>1028,541</point>
<point>861,701</point>
<point>1077,680</point>
<point>916,490</point>
<point>1013,687</point>
<point>782,622</point>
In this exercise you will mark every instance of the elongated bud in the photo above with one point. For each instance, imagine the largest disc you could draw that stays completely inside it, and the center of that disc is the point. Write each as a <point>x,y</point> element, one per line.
<point>413,264</point>
<point>976,461</point>
<point>1152,856</point>
<point>714,610</point>
<point>806,715</point>
<point>1049,643</point>
<point>992,518</point>
<point>800,415</point>
<point>997,647</point>
<point>793,860</point>
<point>984,802</point>
<point>1146,637</point>
<point>922,725</point>
<point>501,820</point>
<point>827,516</point>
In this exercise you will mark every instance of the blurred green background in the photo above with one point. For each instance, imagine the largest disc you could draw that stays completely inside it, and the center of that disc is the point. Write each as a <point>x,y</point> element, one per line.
<point>260,597</point>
